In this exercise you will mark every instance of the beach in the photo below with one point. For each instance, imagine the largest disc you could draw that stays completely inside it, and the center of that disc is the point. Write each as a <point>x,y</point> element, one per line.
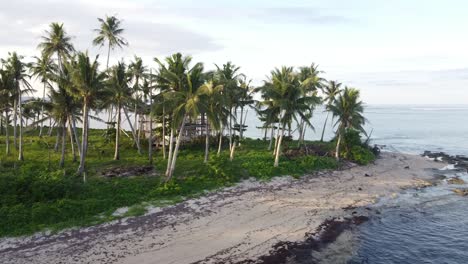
<point>245,223</point>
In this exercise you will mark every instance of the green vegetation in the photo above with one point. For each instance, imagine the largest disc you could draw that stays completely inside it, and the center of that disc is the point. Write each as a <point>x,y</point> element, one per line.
<point>37,193</point>
<point>354,149</point>
<point>50,174</point>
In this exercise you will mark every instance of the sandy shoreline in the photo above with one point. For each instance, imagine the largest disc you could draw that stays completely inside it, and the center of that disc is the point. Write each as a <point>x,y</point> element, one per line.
<point>235,224</point>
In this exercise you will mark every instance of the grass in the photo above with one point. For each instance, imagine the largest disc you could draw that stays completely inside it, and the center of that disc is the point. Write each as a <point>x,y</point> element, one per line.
<point>36,194</point>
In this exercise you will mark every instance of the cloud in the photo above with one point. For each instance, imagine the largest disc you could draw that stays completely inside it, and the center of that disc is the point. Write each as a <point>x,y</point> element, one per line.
<point>270,15</point>
<point>301,15</point>
<point>27,20</point>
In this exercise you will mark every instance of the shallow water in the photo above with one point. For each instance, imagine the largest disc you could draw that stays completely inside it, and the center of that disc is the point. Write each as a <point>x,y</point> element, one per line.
<point>433,232</point>
<point>425,226</point>
<point>417,226</point>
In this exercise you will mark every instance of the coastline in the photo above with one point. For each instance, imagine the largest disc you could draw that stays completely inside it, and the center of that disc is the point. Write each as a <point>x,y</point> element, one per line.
<point>237,224</point>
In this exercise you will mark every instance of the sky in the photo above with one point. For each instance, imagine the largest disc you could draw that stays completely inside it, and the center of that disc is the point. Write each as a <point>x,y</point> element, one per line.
<point>395,52</point>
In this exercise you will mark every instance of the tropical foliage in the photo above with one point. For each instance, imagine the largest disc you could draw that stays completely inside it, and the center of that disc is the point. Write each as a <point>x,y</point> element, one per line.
<point>179,111</point>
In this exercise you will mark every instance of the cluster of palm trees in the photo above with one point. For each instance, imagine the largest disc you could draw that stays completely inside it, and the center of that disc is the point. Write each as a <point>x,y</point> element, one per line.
<point>176,94</point>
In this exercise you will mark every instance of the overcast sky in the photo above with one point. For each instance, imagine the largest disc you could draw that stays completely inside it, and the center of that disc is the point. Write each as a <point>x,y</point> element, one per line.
<point>396,52</point>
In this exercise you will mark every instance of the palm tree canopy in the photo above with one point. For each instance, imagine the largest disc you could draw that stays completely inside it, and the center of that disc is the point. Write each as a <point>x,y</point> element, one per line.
<point>117,88</point>
<point>285,97</point>
<point>43,67</point>
<point>136,71</point>
<point>111,32</point>
<point>18,70</point>
<point>56,40</point>
<point>309,77</point>
<point>331,91</point>
<point>7,88</point>
<point>86,79</point>
<point>180,85</point>
<point>348,109</point>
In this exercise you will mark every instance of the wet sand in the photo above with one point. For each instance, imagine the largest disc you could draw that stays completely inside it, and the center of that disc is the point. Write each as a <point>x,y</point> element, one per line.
<point>244,223</point>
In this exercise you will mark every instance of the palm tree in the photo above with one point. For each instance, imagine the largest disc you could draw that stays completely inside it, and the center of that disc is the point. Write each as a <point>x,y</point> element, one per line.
<point>287,96</point>
<point>245,99</point>
<point>7,91</point>
<point>229,77</point>
<point>110,31</point>
<point>42,69</point>
<point>137,71</point>
<point>172,78</point>
<point>214,110</point>
<point>330,91</point>
<point>180,84</point>
<point>119,94</point>
<point>18,69</point>
<point>348,109</point>
<point>87,85</point>
<point>310,80</point>
<point>61,107</point>
<point>56,40</point>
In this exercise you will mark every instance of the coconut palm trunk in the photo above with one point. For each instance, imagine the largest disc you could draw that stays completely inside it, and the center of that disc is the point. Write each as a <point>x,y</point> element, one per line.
<point>7,134</point>
<point>171,143</point>
<point>278,148</point>
<point>20,149</point>
<point>84,141</point>
<point>231,155</point>
<point>150,120</point>
<point>230,129</point>
<point>75,134</point>
<point>150,140</point>
<point>42,111</point>
<point>164,133</point>
<point>64,138</point>
<point>72,142</point>
<point>220,143</point>
<point>15,122</point>
<point>176,149</point>
<point>241,125</point>
<point>324,125</point>
<point>337,151</point>
<point>277,139</point>
<point>272,134</point>
<point>135,121</point>
<point>135,138</point>
<point>117,133</point>
<point>207,143</point>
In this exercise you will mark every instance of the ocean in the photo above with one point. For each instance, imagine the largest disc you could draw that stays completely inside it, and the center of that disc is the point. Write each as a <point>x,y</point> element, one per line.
<point>401,128</point>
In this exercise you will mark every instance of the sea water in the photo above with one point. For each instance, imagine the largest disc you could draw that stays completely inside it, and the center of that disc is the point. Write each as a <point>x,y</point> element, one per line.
<point>402,128</point>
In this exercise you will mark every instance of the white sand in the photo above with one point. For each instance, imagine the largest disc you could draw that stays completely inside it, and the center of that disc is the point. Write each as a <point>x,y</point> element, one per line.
<point>237,223</point>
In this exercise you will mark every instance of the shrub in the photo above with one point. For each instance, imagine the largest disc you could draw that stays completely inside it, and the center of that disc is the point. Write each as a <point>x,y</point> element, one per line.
<point>361,155</point>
